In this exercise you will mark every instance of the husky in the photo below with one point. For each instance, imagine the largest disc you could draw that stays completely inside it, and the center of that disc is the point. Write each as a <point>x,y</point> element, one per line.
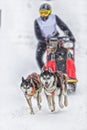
<point>31,87</point>
<point>55,84</point>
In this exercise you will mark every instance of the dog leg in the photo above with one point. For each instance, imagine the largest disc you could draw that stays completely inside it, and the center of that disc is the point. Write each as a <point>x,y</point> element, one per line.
<point>65,98</point>
<point>53,104</point>
<point>66,101</point>
<point>30,105</point>
<point>65,91</point>
<point>49,101</point>
<point>38,101</point>
<point>61,100</point>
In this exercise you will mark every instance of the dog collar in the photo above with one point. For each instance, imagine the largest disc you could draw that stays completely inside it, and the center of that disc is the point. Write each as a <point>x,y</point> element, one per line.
<point>50,91</point>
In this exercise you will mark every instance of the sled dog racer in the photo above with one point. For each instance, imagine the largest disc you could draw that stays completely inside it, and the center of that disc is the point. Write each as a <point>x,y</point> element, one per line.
<point>45,27</point>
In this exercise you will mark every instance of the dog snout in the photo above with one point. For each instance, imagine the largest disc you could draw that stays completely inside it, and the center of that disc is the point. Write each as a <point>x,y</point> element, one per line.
<point>46,83</point>
<point>25,92</point>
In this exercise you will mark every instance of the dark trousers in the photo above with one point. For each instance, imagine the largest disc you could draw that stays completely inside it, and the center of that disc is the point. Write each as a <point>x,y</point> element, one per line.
<point>41,48</point>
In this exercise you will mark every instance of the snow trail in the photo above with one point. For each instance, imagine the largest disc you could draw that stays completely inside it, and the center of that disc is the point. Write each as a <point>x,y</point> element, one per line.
<point>17,55</point>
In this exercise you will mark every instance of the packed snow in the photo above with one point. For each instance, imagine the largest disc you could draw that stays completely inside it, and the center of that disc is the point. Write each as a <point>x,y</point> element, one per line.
<point>17,58</point>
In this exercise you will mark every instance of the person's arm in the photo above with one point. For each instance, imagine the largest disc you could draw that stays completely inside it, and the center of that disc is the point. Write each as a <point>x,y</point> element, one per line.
<point>64,28</point>
<point>38,32</point>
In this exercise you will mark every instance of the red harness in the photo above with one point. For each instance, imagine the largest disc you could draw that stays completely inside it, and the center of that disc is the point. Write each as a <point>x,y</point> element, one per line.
<point>36,77</point>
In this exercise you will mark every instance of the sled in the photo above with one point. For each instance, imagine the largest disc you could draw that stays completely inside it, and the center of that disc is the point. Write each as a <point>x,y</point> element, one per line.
<point>58,61</point>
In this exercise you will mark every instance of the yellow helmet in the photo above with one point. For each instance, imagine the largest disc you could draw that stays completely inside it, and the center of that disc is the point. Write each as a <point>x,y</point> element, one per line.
<point>45,10</point>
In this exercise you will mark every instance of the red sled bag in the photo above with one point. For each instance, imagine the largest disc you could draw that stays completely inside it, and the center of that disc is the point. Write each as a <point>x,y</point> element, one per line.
<point>51,64</point>
<point>70,68</point>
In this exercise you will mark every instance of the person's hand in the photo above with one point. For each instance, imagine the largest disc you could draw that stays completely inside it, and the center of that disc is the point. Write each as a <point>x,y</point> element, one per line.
<point>72,39</point>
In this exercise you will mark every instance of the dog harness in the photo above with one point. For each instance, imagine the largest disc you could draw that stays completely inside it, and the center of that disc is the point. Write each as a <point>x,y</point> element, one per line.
<point>36,78</point>
<point>51,89</point>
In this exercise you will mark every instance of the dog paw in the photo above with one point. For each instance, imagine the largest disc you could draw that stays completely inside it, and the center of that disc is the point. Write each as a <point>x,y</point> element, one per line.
<point>39,107</point>
<point>52,110</point>
<point>61,105</point>
<point>32,113</point>
<point>66,104</point>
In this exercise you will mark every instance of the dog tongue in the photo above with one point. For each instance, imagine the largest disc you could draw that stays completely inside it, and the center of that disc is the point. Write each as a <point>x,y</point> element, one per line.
<point>47,85</point>
<point>52,92</point>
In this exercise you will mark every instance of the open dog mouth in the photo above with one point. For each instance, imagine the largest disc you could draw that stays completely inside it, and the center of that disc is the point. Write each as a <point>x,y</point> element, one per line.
<point>47,85</point>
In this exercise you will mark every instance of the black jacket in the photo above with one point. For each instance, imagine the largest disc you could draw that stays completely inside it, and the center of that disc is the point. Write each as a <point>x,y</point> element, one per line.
<point>60,24</point>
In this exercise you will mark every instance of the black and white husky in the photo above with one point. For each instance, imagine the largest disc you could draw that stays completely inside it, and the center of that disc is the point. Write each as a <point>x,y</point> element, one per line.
<point>54,85</point>
<point>31,87</point>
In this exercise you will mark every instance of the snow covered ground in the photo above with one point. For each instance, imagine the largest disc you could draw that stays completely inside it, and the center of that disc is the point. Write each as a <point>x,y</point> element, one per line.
<point>17,59</point>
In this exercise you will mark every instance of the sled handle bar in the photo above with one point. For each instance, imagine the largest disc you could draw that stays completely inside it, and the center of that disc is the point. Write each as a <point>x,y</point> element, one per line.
<point>65,39</point>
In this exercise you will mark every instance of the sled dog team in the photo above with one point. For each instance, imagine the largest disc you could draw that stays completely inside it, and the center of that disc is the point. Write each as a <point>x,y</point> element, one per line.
<point>54,84</point>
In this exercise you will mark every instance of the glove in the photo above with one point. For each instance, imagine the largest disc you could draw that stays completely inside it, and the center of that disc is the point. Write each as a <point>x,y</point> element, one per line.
<point>72,39</point>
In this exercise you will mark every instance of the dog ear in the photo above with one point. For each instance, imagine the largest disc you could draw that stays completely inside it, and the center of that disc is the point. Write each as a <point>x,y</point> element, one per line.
<point>49,69</point>
<point>31,80</point>
<point>22,79</point>
<point>42,70</point>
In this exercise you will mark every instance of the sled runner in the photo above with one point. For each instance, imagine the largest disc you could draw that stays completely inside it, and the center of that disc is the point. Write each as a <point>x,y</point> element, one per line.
<point>60,57</point>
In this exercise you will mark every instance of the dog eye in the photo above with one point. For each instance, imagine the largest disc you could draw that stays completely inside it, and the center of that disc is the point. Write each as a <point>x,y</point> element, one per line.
<point>44,78</point>
<point>28,87</point>
<point>48,78</point>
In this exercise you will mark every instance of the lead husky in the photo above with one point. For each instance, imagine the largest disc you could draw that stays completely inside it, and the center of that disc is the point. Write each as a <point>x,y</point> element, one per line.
<point>54,84</point>
<point>31,87</point>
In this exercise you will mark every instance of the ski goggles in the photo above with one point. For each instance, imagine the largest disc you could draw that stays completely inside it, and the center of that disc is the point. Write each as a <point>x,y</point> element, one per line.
<point>44,12</point>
